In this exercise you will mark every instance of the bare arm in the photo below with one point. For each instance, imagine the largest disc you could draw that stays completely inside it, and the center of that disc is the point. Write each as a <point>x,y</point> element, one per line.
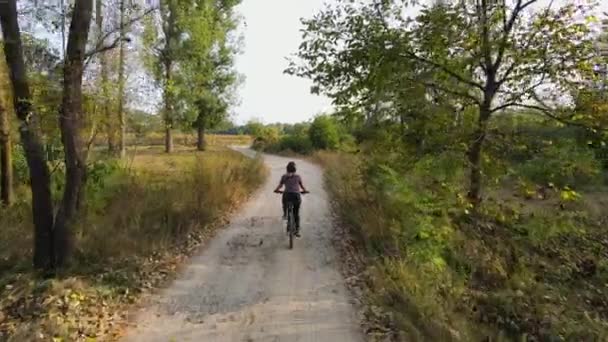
<point>302,185</point>
<point>279,186</point>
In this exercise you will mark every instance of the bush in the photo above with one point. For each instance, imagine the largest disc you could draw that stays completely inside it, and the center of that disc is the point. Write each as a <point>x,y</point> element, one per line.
<point>296,143</point>
<point>265,137</point>
<point>21,172</point>
<point>563,165</point>
<point>324,133</point>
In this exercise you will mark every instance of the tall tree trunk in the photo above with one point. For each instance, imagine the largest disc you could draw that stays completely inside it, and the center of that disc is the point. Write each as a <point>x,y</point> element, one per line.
<point>6,165</point>
<point>121,82</point>
<point>168,140</point>
<point>474,154</point>
<point>71,122</point>
<point>103,61</point>
<point>40,181</point>
<point>168,109</point>
<point>200,142</point>
<point>169,30</point>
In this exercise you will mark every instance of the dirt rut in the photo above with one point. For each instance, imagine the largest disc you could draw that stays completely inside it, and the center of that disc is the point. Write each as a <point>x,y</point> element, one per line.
<point>246,285</point>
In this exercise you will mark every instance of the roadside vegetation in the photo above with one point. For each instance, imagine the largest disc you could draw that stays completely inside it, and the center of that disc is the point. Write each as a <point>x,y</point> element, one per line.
<point>479,198</point>
<point>143,216</point>
<point>324,132</point>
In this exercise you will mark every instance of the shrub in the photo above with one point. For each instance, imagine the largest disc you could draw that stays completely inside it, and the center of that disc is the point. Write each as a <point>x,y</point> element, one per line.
<point>20,169</point>
<point>563,165</point>
<point>265,137</point>
<point>296,143</point>
<point>324,133</point>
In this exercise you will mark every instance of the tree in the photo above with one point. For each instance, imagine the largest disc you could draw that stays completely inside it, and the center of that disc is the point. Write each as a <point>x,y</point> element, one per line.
<point>6,165</point>
<point>210,114</point>
<point>40,182</point>
<point>71,121</point>
<point>199,89</point>
<point>163,55</point>
<point>208,70</point>
<point>104,85</point>
<point>121,81</point>
<point>52,234</point>
<point>123,24</point>
<point>493,56</point>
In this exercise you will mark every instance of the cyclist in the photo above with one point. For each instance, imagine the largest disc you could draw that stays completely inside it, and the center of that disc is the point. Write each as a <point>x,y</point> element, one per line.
<point>293,187</point>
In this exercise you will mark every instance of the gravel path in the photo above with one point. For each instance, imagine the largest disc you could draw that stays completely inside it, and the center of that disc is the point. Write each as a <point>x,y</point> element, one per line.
<point>246,285</point>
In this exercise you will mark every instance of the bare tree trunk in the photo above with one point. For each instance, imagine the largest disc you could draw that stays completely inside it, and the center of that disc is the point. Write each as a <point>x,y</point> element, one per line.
<point>168,55</point>
<point>200,141</point>
<point>103,61</point>
<point>40,182</point>
<point>168,140</point>
<point>168,110</point>
<point>474,154</point>
<point>71,124</point>
<point>6,165</point>
<point>121,82</point>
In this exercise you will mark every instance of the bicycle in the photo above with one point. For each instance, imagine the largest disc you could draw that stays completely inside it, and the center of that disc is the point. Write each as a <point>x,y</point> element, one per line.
<point>291,221</point>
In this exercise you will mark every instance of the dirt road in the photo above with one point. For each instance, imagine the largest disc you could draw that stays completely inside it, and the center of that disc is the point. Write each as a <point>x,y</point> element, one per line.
<point>247,286</point>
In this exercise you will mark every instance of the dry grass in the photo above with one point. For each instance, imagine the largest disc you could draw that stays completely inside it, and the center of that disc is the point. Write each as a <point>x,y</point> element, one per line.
<point>141,220</point>
<point>181,139</point>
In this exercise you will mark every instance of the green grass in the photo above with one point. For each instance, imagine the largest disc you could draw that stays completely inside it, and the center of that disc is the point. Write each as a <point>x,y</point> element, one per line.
<point>524,268</point>
<point>142,218</point>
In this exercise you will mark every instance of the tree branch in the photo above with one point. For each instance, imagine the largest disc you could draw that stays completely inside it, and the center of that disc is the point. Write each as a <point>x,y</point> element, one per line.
<point>529,41</point>
<point>104,48</point>
<point>101,47</point>
<point>507,28</point>
<point>549,112</point>
<point>485,37</point>
<point>445,69</point>
<point>450,91</point>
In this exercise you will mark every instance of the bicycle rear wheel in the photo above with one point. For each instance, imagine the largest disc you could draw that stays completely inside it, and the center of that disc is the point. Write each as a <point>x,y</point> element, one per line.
<point>290,225</point>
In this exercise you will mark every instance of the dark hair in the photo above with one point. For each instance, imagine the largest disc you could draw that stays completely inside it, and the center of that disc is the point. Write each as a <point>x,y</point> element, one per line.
<point>291,167</point>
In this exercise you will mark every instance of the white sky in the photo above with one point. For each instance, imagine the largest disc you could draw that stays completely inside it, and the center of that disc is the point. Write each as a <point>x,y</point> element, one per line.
<point>272,33</point>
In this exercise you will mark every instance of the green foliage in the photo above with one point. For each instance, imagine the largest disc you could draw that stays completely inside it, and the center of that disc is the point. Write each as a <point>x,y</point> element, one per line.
<point>324,133</point>
<point>197,50</point>
<point>563,164</point>
<point>142,123</point>
<point>265,136</point>
<point>405,222</point>
<point>21,172</point>
<point>102,178</point>
<point>439,268</point>
<point>297,143</point>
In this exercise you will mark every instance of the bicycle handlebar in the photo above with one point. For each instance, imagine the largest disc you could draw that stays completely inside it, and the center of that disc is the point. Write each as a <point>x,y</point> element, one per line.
<point>301,192</point>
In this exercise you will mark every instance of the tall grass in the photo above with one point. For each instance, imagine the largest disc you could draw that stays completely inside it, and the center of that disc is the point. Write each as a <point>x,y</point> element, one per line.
<point>141,216</point>
<point>405,236</point>
<point>515,270</point>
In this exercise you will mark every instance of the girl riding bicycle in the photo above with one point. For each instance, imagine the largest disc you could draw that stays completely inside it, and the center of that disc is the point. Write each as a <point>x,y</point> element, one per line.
<point>293,188</point>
